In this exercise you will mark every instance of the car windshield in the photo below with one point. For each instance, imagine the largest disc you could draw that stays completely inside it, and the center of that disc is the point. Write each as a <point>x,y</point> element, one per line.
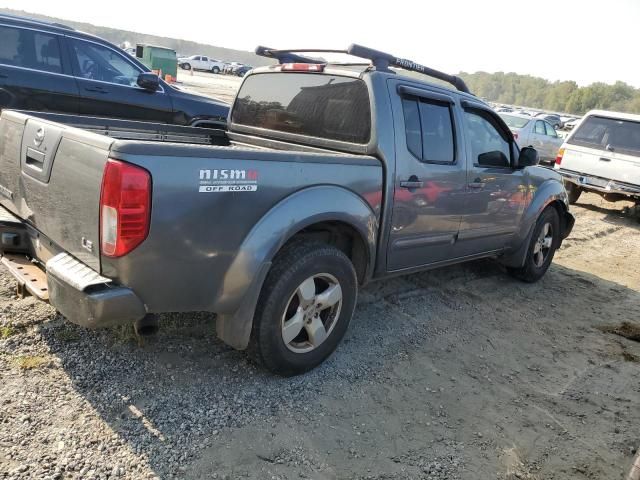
<point>514,122</point>
<point>612,134</point>
<point>323,106</point>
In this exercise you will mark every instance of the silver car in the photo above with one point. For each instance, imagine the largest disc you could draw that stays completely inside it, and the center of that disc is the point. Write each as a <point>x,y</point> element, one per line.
<point>536,133</point>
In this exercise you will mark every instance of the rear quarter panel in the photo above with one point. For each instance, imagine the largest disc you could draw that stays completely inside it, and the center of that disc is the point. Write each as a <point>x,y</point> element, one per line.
<point>195,236</point>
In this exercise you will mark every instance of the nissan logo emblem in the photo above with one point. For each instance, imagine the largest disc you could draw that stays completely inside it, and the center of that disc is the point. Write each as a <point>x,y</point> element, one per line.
<point>39,138</point>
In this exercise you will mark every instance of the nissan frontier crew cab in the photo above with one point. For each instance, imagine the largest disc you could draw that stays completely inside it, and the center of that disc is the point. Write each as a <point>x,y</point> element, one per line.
<point>329,176</point>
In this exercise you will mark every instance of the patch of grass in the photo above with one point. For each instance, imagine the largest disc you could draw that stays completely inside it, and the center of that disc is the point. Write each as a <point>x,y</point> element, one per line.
<point>7,331</point>
<point>30,362</point>
<point>123,333</point>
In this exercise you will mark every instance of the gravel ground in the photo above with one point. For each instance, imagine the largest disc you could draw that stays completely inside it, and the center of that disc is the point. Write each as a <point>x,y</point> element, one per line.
<point>452,374</point>
<point>456,373</point>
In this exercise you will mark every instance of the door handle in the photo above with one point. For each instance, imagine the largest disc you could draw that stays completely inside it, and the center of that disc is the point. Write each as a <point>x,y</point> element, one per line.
<point>96,90</point>
<point>477,183</point>
<point>412,184</point>
<point>605,159</point>
<point>2,75</point>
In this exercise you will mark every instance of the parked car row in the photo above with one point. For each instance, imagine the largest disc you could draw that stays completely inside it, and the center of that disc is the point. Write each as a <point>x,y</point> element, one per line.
<point>558,121</point>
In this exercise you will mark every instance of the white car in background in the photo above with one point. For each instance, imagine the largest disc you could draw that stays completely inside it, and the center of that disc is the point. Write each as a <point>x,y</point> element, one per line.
<point>201,62</point>
<point>570,124</point>
<point>602,155</point>
<point>534,132</point>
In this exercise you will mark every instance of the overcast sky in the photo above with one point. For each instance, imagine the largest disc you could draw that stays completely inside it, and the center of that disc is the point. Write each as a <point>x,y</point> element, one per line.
<point>585,41</point>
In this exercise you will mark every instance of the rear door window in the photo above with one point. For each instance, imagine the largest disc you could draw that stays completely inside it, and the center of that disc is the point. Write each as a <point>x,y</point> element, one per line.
<point>329,107</point>
<point>429,130</point>
<point>30,49</point>
<point>539,128</point>
<point>611,134</point>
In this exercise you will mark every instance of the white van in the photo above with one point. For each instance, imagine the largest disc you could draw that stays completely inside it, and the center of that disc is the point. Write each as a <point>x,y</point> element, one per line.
<point>602,155</point>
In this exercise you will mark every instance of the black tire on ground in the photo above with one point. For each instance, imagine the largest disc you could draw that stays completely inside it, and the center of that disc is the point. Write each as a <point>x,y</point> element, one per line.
<point>573,191</point>
<point>280,299</point>
<point>215,70</point>
<point>547,228</point>
<point>186,66</point>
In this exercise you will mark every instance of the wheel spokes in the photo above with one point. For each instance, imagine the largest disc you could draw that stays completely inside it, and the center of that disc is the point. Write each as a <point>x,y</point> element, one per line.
<point>293,326</point>
<point>538,259</point>
<point>329,297</point>
<point>307,292</point>
<point>316,331</point>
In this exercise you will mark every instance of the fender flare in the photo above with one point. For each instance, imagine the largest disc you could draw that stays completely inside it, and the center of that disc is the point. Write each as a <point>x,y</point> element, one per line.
<point>242,283</point>
<point>548,193</point>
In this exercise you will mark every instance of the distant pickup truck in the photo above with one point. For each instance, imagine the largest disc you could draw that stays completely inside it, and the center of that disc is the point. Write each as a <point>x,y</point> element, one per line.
<point>201,62</point>
<point>602,155</point>
<point>329,176</point>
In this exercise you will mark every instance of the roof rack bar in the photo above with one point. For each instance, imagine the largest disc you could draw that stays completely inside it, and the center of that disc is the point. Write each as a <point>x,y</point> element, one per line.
<point>380,60</point>
<point>383,60</point>
<point>289,56</point>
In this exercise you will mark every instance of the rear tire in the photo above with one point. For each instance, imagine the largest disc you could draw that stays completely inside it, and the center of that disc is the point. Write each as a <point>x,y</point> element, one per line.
<point>186,66</point>
<point>215,70</point>
<point>573,191</point>
<point>544,242</point>
<point>304,309</point>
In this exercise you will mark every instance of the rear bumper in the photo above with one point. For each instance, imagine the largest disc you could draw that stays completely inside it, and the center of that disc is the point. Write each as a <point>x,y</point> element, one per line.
<point>96,306</point>
<point>598,184</point>
<point>81,294</point>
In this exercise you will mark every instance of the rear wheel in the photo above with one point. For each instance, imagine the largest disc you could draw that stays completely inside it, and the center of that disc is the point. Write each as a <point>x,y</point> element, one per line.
<point>573,191</point>
<point>542,247</point>
<point>215,70</point>
<point>304,308</point>
<point>186,66</point>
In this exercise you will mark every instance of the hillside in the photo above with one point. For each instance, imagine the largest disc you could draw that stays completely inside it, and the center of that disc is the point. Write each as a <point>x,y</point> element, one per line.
<point>184,47</point>
<point>566,96</point>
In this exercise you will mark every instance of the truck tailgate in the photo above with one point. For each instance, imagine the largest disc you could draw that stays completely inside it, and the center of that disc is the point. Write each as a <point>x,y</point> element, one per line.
<point>606,165</point>
<point>50,177</point>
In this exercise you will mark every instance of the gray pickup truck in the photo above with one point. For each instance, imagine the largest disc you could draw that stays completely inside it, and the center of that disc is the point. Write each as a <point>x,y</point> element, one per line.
<point>329,176</point>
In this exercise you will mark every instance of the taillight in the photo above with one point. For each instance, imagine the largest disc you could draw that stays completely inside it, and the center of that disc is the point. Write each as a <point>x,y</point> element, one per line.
<point>125,208</point>
<point>559,156</point>
<point>302,67</point>
<point>515,135</point>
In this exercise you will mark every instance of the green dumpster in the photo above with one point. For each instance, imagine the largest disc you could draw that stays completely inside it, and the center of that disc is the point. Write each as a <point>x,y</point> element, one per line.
<point>157,58</point>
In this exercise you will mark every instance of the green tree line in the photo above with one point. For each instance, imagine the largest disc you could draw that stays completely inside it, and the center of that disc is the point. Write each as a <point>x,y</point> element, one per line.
<point>563,97</point>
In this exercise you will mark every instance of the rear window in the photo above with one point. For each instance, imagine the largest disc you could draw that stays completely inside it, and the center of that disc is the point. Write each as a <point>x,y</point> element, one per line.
<point>323,106</point>
<point>513,121</point>
<point>608,134</point>
<point>30,49</point>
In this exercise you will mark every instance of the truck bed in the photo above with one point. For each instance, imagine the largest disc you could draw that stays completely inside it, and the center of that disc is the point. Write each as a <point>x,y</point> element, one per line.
<point>208,195</point>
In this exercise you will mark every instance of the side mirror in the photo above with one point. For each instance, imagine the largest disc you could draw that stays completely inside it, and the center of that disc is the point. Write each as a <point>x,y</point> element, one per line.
<point>528,157</point>
<point>149,81</point>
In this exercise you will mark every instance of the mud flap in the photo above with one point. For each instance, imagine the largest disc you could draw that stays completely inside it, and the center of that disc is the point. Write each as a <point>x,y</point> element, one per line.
<point>234,329</point>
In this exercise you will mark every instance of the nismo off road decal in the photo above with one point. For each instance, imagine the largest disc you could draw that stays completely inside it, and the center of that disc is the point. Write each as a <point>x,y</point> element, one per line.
<point>228,180</point>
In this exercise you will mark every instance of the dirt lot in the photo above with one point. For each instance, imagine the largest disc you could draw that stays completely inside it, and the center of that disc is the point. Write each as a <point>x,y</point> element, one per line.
<point>459,373</point>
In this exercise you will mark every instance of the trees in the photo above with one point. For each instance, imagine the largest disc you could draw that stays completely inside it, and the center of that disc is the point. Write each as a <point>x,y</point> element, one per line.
<point>566,96</point>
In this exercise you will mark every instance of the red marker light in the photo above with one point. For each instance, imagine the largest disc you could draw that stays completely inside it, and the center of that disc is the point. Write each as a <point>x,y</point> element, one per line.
<point>302,67</point>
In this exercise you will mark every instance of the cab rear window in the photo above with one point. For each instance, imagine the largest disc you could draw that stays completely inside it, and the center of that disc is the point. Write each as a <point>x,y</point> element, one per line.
<point>329,107</point>
<point>611,134</point>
